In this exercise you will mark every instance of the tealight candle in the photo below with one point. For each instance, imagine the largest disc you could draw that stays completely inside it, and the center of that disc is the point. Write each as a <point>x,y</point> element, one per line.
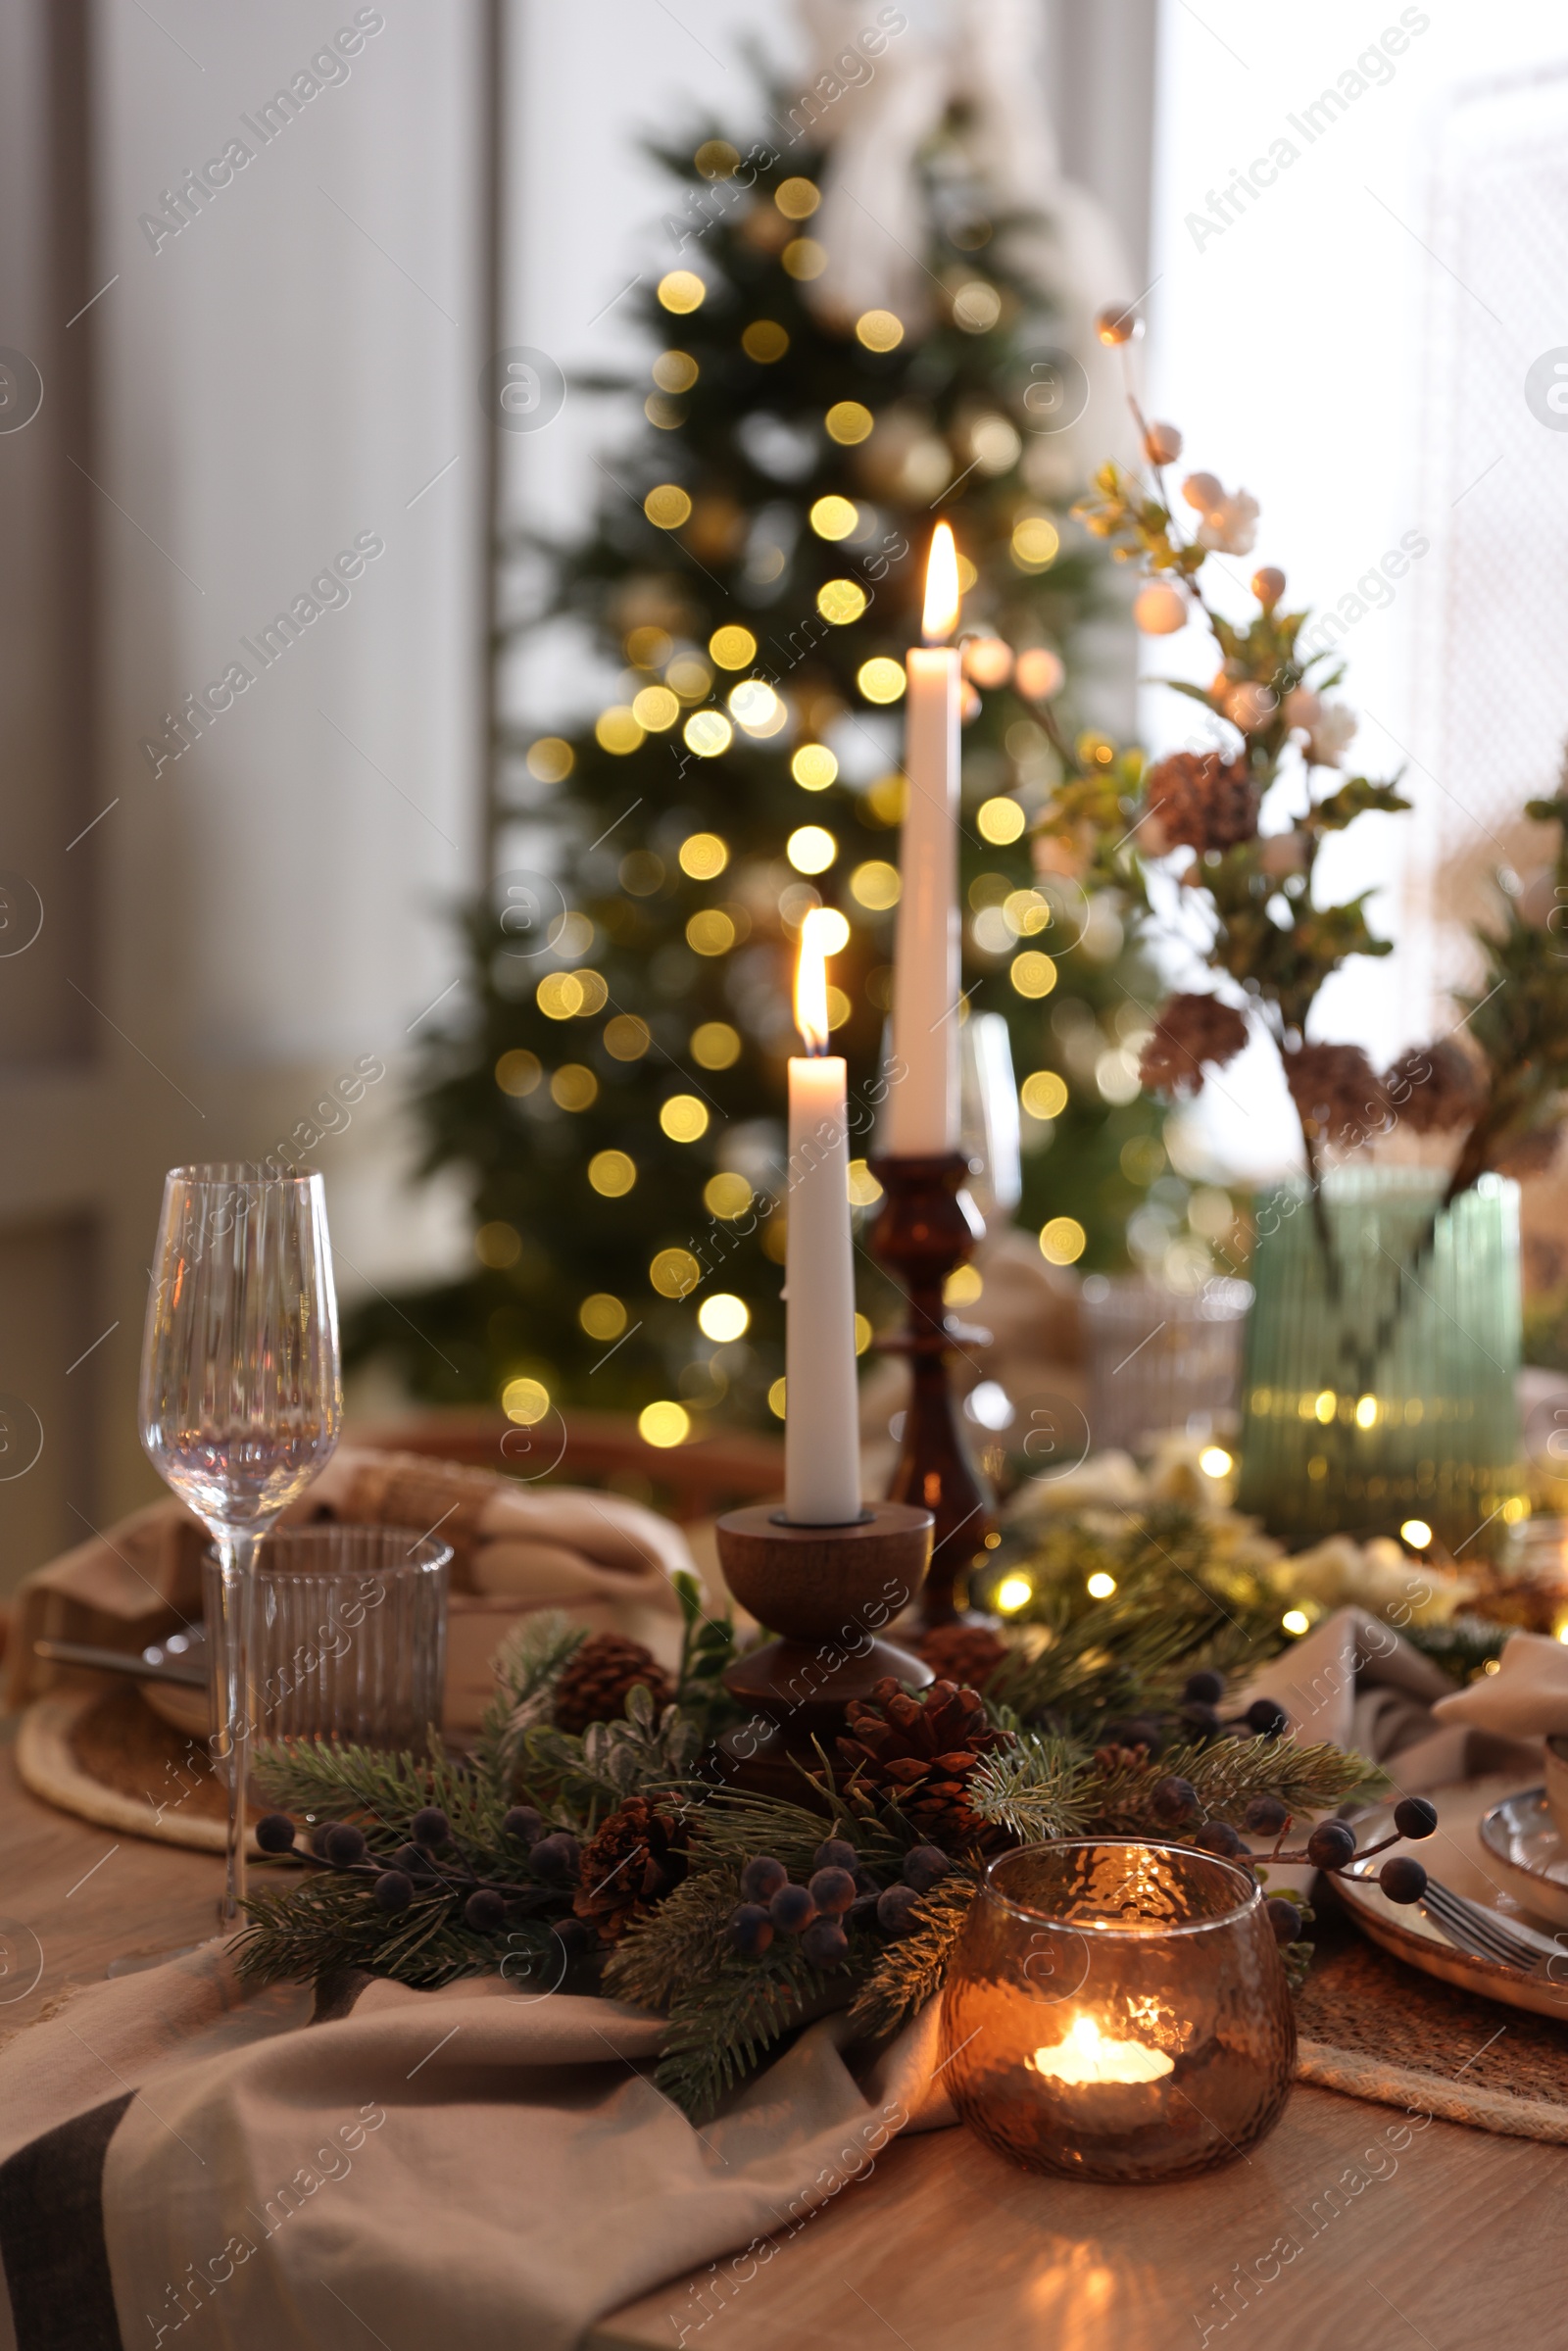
<point>922,1116</point>
<point>1088,2055</point>
<point>1116,2009</point>
<point>821,1402</point>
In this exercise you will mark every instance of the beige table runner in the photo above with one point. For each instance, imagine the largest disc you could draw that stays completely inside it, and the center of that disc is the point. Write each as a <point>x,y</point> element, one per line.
<point>476,2167</point>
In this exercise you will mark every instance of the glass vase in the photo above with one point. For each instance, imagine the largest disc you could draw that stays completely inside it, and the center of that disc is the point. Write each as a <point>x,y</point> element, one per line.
<point>1117,2009</point>
<point>1378,1377</point>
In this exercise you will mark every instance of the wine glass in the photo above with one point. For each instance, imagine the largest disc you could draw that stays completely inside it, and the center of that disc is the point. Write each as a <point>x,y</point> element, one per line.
<point>241,1395</point>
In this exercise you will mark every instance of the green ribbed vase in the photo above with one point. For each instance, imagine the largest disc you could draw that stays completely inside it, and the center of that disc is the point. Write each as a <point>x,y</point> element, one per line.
<point>1380,1386</point>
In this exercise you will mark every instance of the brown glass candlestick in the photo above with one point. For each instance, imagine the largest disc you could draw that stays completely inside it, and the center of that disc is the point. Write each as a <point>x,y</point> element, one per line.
<point>926,1227</point>
<point>827,1591</point>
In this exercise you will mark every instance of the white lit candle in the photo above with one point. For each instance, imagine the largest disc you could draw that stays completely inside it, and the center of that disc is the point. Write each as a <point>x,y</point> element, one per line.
<point>821,1406</point>
<point>923,1119</point>
<point>1089,2056</point>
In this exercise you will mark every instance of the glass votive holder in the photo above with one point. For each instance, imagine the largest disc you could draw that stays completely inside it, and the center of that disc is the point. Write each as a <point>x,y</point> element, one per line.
<point>349,1635</point>
<point>1117,2010</point>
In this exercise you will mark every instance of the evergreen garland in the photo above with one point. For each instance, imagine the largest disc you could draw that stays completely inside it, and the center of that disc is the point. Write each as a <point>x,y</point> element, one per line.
<point>490,1879</point>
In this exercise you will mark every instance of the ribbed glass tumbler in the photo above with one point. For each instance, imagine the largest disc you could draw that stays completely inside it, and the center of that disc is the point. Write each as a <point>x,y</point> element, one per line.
<point>349,1634</point>
<point>1378,1382</point>
<point>1117,2009</point>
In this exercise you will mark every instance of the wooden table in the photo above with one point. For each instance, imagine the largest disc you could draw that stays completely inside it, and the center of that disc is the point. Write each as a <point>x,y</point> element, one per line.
<point>1449,2238</point>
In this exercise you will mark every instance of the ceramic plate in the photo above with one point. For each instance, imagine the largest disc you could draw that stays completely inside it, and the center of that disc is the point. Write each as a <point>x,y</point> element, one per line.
<point>1458,1856</point>
<point>1523,1844</point>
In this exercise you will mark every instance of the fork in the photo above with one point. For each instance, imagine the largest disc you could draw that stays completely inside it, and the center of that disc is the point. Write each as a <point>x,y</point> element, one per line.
<point>1485,1935</point>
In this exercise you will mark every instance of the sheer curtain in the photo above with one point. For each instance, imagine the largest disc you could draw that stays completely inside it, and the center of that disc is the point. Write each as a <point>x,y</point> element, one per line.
<point>1361,248</point>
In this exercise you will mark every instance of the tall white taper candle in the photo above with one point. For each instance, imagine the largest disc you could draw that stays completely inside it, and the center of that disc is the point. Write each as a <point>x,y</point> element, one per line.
<point>922,1117</point>
<point>821,1402</point>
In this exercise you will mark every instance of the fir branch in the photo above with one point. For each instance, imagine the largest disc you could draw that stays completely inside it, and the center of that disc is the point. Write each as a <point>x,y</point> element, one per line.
<point>1227,1773</point>
<point>322,1781</point>
<point>527,1666</point>
<point>1035,1789</point>
<point>719,2028</point>
<point>912,1970</point>
<point>327,1922</point>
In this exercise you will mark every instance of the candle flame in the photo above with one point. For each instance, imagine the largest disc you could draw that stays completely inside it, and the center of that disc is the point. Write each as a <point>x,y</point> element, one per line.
<point>1087,2055</point>
<point>811,982</point>
<point>941,587</point>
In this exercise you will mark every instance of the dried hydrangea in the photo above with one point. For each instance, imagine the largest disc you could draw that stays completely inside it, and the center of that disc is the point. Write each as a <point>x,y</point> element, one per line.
<point>1199,801</point>
<point>1433,1088</point>
<point>1337,1092</point>
<point>1191,1032</point>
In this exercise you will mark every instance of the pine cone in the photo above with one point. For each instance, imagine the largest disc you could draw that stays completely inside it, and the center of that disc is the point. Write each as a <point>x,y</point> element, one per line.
<point>1433,1088</point>
<point>1199,800</point>
<point>593,1686</point>
<point>1191,1030</point>
<point>968,1655</point>
<point>1337,1090</point>
<point>640,1854</point>
<point>920,1751</point>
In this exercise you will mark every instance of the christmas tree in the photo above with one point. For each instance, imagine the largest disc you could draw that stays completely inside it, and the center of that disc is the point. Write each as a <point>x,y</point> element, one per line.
<point>614,1092</point>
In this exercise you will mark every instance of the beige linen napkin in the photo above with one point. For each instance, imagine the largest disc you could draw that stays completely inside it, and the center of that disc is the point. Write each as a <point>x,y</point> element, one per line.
<point>1357,1682</point>
<point>516,1547</point>
<point>1527,1698</point>
<point>475,2167</point>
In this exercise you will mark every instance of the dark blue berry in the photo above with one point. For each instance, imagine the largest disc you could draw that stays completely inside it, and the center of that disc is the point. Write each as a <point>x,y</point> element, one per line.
<point>924,1866</point>
<point>837,1855</point>
<point>431,1826</point>
<point>1173,1799</point>
<point>1413,1816</point>
<point>1402,1880</point>
<point>276,1834</point>
<point>1331,1844</point>
<point>762,1879</point>
<point>485,1910</point>
<point>1266,1816</point>
<point>898,1911</point>
<point>1132,1730</point>
<point>1284,1918</point>
<point>413,1860</point>
<point>1218,1836</point>
<point>1201,1721</point>
<point>345,1844</point>
<point>523,1824</point>
<point>320,1834</point>
<point>557,1858</point>
<point>791,1909</point>
<point>572,1936</point>
<point>832,1889</point>
<point>393,1890</point>
<point>1267,1717</point>
<point>825,1942</point>
<point>751,1929</point>
<point>1205,1689</point>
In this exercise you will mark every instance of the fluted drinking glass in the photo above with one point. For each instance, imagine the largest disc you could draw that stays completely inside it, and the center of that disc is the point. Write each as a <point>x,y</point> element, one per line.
<point>241,1397</point>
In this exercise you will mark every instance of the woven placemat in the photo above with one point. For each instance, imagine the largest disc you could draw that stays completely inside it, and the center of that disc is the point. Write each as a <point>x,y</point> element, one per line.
<point>1378,2030</point>
<point>107,1757</point>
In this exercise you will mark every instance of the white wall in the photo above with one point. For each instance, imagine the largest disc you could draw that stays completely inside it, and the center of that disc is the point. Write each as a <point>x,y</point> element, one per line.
<point>286,373</point>
<point>1352,347</point>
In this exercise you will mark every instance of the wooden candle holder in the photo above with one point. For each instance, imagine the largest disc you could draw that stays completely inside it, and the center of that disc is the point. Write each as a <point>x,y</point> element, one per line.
<point>827,1592</point>
<point>926,1227</point>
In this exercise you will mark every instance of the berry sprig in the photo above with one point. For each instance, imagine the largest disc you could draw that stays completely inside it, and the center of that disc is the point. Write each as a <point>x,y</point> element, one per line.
<point>436,1861</point>
<point>1197,1718</point>
<point>1331,1847</point>
<point>839,1895</point>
